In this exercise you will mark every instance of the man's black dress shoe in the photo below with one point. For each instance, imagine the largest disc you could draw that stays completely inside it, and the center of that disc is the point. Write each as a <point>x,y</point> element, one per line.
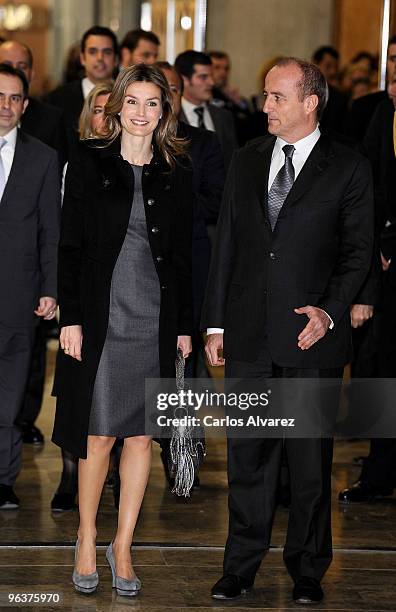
<point>61,502</point>
<point>8,499</point>
<point>32,435</point>
<point>361,492</point>
<point>231,587</point>
<point>307,591</point>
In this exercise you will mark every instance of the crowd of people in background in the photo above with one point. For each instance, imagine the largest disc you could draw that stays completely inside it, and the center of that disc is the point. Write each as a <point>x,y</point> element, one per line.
<point>217,119</point>
<point>204,98</point>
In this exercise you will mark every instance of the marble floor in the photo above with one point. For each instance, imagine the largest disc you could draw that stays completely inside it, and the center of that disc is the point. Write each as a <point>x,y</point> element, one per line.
<point>179,543</point>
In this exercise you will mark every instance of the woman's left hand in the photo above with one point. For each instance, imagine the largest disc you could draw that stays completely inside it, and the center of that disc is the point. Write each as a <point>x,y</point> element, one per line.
<point>185,345</point>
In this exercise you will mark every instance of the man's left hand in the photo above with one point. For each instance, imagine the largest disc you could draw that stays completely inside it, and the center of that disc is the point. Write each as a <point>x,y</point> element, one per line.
<point>360,313</point>
<point>316,328</point>
<point>46,308</point>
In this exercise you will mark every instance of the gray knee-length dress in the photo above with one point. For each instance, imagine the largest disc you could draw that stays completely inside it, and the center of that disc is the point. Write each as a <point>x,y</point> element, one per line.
<point>130,353</point>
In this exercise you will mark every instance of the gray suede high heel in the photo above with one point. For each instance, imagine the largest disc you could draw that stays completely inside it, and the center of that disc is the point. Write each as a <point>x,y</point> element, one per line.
<point>84,583</point>
<point>123,586</point>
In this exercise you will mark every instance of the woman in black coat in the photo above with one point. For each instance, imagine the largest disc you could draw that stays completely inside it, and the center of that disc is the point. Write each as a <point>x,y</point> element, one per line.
<point>125,302</point>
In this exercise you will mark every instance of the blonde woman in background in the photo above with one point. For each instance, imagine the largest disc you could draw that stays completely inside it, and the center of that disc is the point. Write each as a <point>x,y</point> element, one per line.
<point>91,122</point>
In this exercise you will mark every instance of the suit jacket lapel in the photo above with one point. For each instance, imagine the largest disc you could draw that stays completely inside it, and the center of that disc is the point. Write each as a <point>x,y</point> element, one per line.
<point>217,123</point>
<point>19,165</point>
<point>182,117</point>
<point>260,171</point>
<point>317,161</point>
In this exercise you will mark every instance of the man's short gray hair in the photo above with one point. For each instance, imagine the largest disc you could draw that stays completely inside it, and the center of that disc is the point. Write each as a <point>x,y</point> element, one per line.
<point>312,81</point>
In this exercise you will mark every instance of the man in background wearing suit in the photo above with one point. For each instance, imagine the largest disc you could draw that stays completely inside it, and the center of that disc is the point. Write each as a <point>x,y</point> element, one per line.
<point>363,108</point>
<point>40,120</point>
<point>378,475</point>
<point>29,233</point>
<point>293,247</point>
<point>139,47</point>
<point>44,122</point>
<point>99,56</point>
<point>196,71</point>
<point>336,112</point>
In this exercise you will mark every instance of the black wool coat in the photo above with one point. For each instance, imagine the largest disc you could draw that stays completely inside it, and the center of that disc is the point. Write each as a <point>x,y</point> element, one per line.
<point>97,205</point>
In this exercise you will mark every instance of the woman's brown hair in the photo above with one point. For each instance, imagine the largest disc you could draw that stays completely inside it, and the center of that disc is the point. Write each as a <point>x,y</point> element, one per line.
<point>168,144</point>
<point>84,125</point>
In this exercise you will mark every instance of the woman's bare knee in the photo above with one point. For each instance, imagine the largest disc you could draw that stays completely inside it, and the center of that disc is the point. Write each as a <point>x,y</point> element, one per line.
<point>100,444</point>
<point>138,443</point>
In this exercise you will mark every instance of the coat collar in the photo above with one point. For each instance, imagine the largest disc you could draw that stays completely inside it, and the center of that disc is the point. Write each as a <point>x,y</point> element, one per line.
<point>114,150</point>
<point>114,167</point>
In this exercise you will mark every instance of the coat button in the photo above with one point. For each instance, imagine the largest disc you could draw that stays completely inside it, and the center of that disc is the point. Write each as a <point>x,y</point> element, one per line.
<point>167,187</point>
<point>272,256</point>
<point>155,230</point>
<point>163,287</point>
<point>160,259</point>
<point>146,172</point>
<point>150,201</point>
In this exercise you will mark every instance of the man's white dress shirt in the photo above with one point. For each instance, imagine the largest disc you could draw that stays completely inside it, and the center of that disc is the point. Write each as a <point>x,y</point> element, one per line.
<point>8,150</point>
<point>192,116</point>
<point>87,86</point>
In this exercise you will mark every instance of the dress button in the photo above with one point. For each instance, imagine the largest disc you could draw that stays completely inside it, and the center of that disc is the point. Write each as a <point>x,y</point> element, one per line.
<point>272,255</point>
<point>150,201</point>
<point>160,259</point>
<point>155,230</point>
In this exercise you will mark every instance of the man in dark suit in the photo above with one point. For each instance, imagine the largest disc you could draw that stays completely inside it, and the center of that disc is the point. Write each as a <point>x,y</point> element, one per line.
<point>196,71</point>
<point>229,97</point>
<point>44,122</point>
<point>363,108</point>
<point>99,56</point>
<point>336,111</point>
<point>378,476</point>
<point>293,247</point>
<point>208,184</point>
<point>139,47</point>
<point>29,232</point>
<point>40,120</point>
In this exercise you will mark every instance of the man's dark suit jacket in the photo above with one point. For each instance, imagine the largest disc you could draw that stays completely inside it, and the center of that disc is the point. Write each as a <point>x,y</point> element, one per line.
<point>319,255</point>
<point>208,184</point>
<point>361,113</point>
<point>70,99</point>
<point>335,114</point>
<point>378,144</point>
<point>44,122</point>
<point>29,232</point>
<point>225,130</point>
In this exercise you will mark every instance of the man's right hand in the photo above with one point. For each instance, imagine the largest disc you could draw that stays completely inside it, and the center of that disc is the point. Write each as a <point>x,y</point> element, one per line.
<point>71,341</point>
<point>385,263</point>
<point>214,344</point>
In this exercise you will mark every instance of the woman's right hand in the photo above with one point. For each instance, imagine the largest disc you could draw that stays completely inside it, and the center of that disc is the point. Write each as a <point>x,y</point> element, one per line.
<point>71,341</point>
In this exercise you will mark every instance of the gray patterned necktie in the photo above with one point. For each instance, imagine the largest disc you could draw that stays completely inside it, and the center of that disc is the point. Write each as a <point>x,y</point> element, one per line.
<point>2,171</point>
<point>200,112</point>
<point>281,186</point>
